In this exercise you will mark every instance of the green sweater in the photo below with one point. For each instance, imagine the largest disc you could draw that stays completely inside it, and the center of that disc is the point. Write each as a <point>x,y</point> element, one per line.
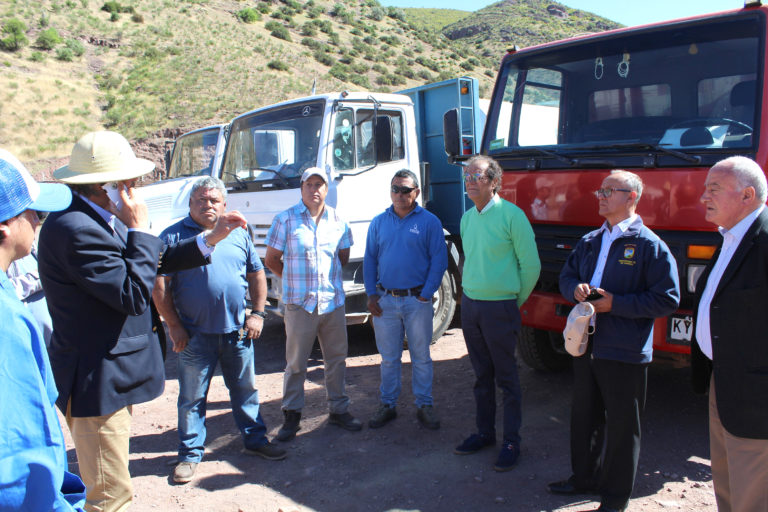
<point>501,261</point>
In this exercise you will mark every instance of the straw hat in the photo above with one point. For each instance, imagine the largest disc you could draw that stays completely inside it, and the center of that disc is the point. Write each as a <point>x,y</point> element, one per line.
<point>101,157</point>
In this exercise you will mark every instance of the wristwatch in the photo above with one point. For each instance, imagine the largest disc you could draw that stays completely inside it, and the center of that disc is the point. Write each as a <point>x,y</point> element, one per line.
<point>205,240</point>
<point>262,314</point>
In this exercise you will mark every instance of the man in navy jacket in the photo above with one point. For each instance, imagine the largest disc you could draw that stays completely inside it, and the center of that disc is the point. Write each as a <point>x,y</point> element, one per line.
<point>632,278</point>
<point>98,266</point>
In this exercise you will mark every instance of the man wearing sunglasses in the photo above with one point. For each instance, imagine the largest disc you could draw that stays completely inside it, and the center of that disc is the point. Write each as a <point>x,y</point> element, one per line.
<point>630,276</point>
<point>400,295</point>
<point>501,267</point>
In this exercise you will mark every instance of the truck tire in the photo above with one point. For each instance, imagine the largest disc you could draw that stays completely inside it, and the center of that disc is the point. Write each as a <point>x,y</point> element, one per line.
<point>536,348</point>
<point>443,307</point>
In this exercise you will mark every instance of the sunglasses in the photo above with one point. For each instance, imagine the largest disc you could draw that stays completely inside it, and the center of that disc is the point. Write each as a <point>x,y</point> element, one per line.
<point>475,177</point>
<point>606,192</point>
<point>396,189</point>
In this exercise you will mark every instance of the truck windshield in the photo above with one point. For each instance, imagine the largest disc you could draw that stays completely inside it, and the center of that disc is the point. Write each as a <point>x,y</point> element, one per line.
<point>193,154</point>
<point>274,145</point>
<point>689,88</point>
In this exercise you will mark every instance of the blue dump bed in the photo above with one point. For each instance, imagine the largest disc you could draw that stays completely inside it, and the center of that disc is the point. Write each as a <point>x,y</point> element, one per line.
<point>446,197</point>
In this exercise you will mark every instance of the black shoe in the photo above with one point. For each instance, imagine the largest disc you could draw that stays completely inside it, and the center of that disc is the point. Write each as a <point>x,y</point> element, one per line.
<point>507,457</point>
<point>603,508</point>
<point>384,414</point>
<point>345,421</point>
<point>290,425</point>
<point>427,417</point>
<point>269,451</point>
<point>473,443</point>
<point>568,487</point>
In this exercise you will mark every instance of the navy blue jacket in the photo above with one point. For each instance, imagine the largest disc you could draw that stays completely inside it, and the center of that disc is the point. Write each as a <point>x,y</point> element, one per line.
<point>642,276</point>
<point>105,353</point>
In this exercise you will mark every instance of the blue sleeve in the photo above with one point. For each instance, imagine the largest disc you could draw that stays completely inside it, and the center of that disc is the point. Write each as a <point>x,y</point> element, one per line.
<point>569,275</point>
<point>346,239</point>
<point>438,257</point>
<point>33,458</point>
<point>371,258</point>
<point>253,262</point>
<point>276,236</point>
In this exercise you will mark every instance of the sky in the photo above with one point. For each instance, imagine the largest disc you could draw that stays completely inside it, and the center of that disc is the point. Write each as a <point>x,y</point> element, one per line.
<point>626,12</point>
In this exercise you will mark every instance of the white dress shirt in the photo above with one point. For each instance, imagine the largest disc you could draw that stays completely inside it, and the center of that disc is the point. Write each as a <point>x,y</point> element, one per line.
<point>609,235</point>
<point>731,240</point>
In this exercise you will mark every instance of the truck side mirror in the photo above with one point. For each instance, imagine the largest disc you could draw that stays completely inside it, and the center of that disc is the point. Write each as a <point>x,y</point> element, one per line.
<point>168,153</point>
<point>451,139</point>
<point>383,139</point>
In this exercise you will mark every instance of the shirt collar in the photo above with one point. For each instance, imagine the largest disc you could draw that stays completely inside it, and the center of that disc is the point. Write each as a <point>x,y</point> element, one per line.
<point>623,226</point>
<point>190,223</point>
<point>741,227</point>
<point>416,209</point>
<point>494,200</point>
<point>108,216</point>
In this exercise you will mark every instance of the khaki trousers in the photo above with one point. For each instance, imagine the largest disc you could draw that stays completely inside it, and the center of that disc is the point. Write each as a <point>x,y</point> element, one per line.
<point>739,466</point>
<point>101,443</point>
<point>301,328</point>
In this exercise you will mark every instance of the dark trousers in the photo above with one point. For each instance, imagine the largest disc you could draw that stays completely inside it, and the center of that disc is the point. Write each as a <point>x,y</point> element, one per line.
<point>608,398</point>
<point>490,332</point>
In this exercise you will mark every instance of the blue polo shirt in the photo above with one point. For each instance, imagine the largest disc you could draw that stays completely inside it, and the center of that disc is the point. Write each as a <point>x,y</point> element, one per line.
<point>211,299</point>
<point>405,253</point>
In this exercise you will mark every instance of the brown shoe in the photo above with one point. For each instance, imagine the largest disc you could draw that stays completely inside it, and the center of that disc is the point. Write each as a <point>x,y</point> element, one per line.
<point>184,471</point>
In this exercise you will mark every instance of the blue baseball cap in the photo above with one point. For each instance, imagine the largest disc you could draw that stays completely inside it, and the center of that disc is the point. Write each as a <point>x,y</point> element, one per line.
<point>20,192</point>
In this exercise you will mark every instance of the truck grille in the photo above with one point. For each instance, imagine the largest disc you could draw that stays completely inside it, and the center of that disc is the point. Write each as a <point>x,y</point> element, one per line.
<point>259,235</point>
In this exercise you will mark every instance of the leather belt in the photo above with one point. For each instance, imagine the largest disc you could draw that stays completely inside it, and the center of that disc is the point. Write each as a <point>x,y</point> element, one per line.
<point>414,292</point>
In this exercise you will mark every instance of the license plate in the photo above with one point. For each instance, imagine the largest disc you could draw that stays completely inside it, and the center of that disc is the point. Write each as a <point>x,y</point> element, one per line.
<point>680,329</point>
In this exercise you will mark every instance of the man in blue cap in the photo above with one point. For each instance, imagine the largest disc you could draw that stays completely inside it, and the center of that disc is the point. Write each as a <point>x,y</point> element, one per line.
<point>33,458</point>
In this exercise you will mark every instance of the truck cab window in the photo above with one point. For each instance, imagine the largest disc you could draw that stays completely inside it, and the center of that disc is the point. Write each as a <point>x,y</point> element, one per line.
<point>343,140</point>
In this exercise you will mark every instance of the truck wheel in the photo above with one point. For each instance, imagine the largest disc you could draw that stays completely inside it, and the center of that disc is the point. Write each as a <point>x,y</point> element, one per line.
<point>443,307</point>
<point>536,348</point>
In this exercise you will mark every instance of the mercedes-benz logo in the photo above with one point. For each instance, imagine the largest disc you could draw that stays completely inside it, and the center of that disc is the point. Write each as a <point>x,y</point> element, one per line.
<point>306,111</point>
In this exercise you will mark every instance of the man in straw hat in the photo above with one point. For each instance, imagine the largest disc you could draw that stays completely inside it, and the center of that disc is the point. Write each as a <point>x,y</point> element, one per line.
<point>34,459</point>
<point>631,278</point>
<point>98,266</point>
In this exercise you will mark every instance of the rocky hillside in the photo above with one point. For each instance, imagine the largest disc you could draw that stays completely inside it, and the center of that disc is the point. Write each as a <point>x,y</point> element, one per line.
<point>152,68</point>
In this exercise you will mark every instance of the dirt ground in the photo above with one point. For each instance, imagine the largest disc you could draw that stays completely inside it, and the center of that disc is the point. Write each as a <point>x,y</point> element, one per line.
<point>403,466</point>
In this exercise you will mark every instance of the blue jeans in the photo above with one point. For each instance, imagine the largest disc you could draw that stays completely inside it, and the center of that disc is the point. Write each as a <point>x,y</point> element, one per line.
<point>197,363</point>
<point>490,331</point>
<point>409,316</point>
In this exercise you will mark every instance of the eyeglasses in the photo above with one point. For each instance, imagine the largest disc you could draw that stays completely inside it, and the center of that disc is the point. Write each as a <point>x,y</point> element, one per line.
<point>396,189</point>
<point>606,192</point>
<point>475,177</point>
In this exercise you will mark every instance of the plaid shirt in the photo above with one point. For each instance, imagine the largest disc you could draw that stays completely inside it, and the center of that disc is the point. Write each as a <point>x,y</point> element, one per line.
<point>311,266</point>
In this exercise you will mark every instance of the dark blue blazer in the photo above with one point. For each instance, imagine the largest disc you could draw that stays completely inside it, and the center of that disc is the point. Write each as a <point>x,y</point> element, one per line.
<point>105,349</point>
<point>738,320</point>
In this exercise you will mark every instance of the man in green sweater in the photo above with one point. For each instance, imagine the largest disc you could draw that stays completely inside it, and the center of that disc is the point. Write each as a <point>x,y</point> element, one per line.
<point>501,266</point>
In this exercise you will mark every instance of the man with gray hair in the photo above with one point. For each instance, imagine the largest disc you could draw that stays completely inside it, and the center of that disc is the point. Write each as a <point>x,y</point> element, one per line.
<point>204,309</point>
<point>630,276</point>
<point>729,357</point>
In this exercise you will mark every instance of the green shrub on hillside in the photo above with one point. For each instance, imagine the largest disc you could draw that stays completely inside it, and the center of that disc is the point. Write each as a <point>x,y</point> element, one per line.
<point>15,38</point>
<point>308,29</point>
<point>340,71</point>
<point>48,39</point>
<point>264,8</point>
<point>360,80</point>
<point>75,46</point>
<point>115,7</point>
<point>323,58</point>
<point>65,55</point>
<point>37,56</point>
<point>248,15</point>
<point>277,65</point>
<point>377,14</point>
<point>277,30</point>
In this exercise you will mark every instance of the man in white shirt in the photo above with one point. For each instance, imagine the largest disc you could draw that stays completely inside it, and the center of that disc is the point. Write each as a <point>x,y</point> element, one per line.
<point>730,355</point>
